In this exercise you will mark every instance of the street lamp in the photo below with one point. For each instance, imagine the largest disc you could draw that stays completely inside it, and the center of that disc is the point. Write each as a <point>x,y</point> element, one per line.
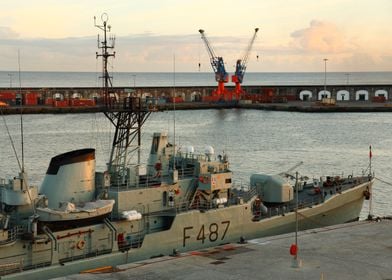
<point>10,75</point>
<point>347,77</point>
<point>325,75</point>
<point>134,82</point>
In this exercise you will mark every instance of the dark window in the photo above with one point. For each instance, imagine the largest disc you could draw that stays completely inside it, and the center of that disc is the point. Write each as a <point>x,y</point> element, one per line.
<point>164,199</point>
<point>154,146</point>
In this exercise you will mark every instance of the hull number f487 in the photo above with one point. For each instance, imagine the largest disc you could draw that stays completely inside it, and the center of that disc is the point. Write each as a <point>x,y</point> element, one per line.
<point>210,232</point>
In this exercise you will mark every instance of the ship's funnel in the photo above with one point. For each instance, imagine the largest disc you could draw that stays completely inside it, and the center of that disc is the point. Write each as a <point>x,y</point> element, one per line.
<point>70,178</point>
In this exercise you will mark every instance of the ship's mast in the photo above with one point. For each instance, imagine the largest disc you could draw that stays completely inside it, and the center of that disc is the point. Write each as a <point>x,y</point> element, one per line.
<point>127,114</point>
<point>104,46</point>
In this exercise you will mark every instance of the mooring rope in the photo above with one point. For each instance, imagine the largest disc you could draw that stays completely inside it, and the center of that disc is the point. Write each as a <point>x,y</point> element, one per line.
<point>383,181</point>
<point>11,140</point>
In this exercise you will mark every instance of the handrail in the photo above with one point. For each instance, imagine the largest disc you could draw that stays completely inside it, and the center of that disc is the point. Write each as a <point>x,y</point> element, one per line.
<point>13,234</point>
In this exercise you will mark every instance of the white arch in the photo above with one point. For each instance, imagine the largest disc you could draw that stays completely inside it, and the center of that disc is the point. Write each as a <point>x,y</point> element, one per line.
<point>58,96</point>
<point>146,94</point>
<point>94,95</point>
<point>305,95</point>
<point>324,94</point>
<point>195,96</point>
<point>76,95</point>
<point>381,92</point>
<point>362,95</point>
<point>342,95</point>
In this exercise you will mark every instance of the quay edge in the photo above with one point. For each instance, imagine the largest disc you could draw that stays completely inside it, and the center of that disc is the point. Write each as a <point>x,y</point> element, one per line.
<point>294,106</point>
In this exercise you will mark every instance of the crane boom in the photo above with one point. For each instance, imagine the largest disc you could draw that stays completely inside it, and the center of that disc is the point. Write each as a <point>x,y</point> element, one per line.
<point>240,68</point>
<point>217,62</point>
<point>242,63</point>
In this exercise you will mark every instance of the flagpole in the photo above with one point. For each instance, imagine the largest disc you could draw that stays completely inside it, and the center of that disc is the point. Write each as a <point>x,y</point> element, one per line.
<point>370,159</point>
<point>370,215</point>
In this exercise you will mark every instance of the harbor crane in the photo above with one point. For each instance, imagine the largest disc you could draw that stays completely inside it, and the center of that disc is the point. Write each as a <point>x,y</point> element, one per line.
<point>240,68</point>
<point>217,63</point>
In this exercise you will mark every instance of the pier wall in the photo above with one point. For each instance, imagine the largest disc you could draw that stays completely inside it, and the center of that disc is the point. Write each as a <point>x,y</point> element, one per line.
<point>196,93</point>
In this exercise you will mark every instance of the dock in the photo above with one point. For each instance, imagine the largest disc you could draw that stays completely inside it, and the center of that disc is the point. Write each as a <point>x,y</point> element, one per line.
<point>300,98</point>
<point>359,250</point>
<point>292,106</point>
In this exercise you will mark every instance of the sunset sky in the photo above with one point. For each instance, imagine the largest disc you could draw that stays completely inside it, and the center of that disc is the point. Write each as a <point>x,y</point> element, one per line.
<point>294,36</point>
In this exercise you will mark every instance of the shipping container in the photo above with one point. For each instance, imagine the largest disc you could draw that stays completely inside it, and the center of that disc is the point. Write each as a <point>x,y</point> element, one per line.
<point>31,95</point>
<point>30,102</point>
<point>61,103</point>
<point>379,99</point>
<point>49,101</point>
<point>175,99</point>
<point>7,95</point>
<point>82,102</point>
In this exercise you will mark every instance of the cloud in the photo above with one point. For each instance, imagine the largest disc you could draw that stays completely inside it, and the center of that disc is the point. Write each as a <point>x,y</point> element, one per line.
<point>320,37</point>
<point>301,50</point>
<point>7,33</point>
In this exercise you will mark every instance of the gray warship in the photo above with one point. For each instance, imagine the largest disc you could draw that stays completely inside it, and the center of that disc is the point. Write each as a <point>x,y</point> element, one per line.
<point>81,219</point>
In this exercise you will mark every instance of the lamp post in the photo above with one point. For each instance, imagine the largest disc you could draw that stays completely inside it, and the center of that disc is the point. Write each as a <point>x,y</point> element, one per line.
<point>296,262</point>
<point>134,81</point>
<point>10,75</point>
<point>325,75</point>
<point>347,77</point>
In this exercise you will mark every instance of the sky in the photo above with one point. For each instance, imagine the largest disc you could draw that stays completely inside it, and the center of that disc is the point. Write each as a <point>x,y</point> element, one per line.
<point>162,35</point>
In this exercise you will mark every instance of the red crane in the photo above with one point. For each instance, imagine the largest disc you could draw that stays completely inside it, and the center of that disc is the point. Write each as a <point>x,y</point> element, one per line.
<point>221,76</point>
<point>240,68</point>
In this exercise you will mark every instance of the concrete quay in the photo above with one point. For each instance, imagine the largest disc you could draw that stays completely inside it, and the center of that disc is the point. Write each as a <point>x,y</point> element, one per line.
<point>316,107</point>
<point>360,250</point>
<point>292,106</point>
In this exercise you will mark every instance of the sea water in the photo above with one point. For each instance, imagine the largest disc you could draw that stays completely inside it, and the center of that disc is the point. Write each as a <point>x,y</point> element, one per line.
<point>254,140</point>
<point>127,79</point>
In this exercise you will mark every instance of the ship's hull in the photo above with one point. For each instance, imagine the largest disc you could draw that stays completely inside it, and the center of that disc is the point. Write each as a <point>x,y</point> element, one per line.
<point>196,229</point>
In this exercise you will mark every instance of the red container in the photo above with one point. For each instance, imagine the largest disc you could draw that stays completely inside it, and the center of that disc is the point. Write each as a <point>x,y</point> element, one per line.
<point>207,99</point>
<point>31,95</point>
<point>7,95</point>
<point>82,102</point>
<point>49,101</point>
<point>176,99</point>
<point>31,102</point>
<point>268,91</point>
<point>379,99</point>
<point>60,103</point>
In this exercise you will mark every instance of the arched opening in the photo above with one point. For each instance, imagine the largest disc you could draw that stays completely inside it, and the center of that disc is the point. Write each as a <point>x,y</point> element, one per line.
<point>324,94</point>
<point>76,95</point>
<point>305,95</point>
<point>343,95</point>
<point>195,96</point>
<point>58,96</point>
<point>381,93</point>
<point>362,95</point>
